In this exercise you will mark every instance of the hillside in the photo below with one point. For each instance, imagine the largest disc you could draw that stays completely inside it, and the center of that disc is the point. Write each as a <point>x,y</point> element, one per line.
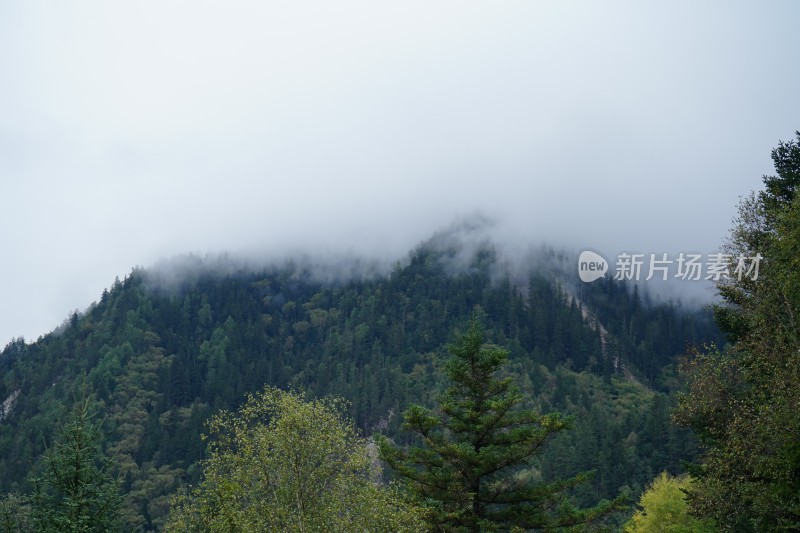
<point>160,358</point>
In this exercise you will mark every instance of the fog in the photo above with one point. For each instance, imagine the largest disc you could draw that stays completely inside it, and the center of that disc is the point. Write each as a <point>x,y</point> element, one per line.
<point>134,132</point>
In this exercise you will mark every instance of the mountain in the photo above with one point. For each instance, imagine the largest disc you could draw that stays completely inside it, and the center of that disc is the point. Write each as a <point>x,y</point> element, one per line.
<point>164,349</point>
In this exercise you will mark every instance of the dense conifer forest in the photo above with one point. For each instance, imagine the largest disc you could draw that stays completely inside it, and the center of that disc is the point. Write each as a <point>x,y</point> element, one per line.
<point>160,358</point>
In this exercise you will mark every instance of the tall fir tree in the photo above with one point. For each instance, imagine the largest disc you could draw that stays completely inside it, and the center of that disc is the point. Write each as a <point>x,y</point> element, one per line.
<point>474,471</point>
<point>76,491</point>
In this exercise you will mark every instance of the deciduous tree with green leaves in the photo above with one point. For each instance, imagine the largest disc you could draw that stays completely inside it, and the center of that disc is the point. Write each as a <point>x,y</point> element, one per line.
<point>285,463</point>
<point>744,401</point>
<point>479,444</point>
<point>664,509</point>
<point>14,514</point>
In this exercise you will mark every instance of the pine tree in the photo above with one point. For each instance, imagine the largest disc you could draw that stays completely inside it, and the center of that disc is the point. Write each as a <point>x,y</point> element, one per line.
<point>475,470</point>
<point>76,492</point>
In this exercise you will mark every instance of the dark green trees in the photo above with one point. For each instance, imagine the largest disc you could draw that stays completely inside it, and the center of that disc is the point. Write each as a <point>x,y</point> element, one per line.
<point>76,492</point>
<point>474,472</point>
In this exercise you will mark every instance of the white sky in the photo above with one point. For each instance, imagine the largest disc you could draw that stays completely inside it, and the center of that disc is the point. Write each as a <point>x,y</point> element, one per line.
<point>132,131</point>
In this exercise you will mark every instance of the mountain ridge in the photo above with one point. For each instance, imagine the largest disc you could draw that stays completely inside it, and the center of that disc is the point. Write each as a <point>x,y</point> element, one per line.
<point>160,362</point>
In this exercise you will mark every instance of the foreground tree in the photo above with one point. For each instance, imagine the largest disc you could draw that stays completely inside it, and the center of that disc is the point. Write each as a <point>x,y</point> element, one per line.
<point>471,471</point>
<point>744,401</point>
<point>664,509</point>
<point>284,463</point>
<point>76,491</point>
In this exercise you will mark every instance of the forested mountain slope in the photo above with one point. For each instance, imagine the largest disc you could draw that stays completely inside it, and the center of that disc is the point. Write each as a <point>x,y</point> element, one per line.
<point>161,358</point>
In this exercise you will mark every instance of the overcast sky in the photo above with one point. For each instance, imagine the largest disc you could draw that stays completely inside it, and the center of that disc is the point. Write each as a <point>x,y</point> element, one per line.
<point>133,131</point>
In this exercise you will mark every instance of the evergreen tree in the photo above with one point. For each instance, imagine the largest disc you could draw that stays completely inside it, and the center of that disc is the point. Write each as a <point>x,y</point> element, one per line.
<point>474,471</point>
<point>76,492</point>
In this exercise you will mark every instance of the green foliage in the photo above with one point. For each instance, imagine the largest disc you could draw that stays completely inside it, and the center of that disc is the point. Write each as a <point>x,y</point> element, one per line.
<point>76,492</point>
<point>478,444</point>
<point>744,401</point>
<point>161,355</point>
<point>664,509</point>
<point>15,514</point>
<point>283,463</point>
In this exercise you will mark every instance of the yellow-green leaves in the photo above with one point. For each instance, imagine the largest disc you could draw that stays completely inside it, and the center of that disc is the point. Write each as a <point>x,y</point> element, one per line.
<point>664,509</point>
<point>286,463</point>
